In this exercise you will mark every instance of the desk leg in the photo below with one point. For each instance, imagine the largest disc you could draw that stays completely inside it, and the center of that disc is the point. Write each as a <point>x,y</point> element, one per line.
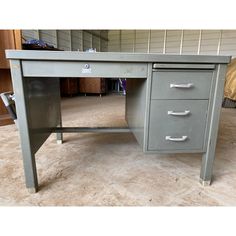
<point>31,179</point>
<point>59,136</point>
<point>208,157</point>
<point>22,108</point>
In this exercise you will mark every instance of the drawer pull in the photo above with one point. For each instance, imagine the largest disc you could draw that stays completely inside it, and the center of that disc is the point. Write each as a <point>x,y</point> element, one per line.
<point>182,113</point>
<point>182,139</point>
<point>189,85</point>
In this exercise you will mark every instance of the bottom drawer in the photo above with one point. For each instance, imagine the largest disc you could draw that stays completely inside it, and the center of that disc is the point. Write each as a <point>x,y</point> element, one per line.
<point>177,124</point>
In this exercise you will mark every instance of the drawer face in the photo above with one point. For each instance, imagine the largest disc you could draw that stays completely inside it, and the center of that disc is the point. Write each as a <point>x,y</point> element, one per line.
<point>185,118</point>
<point>174,84</point>
<point>84,69</point>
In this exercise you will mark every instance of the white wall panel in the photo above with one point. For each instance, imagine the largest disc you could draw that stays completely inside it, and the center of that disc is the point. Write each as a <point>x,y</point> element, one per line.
<point>127,40</point>
<point>190,41</point>
<point>77,40</point>
<point>114,41</point>
<point>87,40</point>
<point>228,43</point>
<point>96,43</point>
<point>157,41</point>
<point>71,39</point>
<point>103,42</point>
<point>141,41</point>
<point>30,34</point>
<point>48,36</point>
<point>104,46</point>
<point>209,41</point>
<point>173,39</point>
<point>64,40</point>
<point>137,40</point>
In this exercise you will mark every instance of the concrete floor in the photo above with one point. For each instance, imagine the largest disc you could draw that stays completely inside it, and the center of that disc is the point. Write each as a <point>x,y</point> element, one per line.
<point>110,169</point>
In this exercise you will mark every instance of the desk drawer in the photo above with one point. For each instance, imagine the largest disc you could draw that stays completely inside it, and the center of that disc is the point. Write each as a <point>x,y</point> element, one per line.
<point>84,69</point>
<point>177,124</point>
<point>176,84</point>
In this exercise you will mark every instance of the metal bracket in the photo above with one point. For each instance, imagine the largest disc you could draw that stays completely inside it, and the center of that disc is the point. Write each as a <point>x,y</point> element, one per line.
<point>90,129</point>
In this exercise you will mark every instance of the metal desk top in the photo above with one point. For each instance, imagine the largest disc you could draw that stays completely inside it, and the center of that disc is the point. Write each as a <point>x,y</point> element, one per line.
<point>113,57</point>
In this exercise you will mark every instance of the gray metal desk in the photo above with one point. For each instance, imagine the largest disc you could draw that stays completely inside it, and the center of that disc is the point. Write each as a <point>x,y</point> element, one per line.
<point>173,102</point>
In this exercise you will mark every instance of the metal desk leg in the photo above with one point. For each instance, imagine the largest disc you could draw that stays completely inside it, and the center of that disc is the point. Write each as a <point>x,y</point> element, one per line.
<point>30,170</point>
<point>59,135</point>
<point>208,157</point>
<point>22,105</point>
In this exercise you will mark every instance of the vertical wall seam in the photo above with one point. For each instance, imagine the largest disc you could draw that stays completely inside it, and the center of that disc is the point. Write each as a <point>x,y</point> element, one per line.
<point>164,42</point>
<point>219,43</point>
<point>134,41</point>
<point>181,42</point>
<point>149,41</point>
<point>199,42</point>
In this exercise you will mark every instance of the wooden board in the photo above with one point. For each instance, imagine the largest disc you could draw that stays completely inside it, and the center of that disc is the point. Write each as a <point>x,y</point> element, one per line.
<point>9,39</point>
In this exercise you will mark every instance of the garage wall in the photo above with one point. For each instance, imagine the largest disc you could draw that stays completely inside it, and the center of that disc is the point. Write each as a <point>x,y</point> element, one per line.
<point>114,44</point>
<point>87,40</point>
<point>71,39</point>
<point>48,36</point>
<point>215,42</point>
<point>104,41</point>
<point>157,41</point>
<point>228,42</point>
<point>77,40</point>
<point>141,40</point>
<point>30,34</point>
<point>190,41</point>
<point>64,40</point>
<point>127,40</point>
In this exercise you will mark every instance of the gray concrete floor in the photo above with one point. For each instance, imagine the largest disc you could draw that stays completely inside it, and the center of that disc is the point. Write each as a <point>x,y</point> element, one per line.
<point>110,169</point>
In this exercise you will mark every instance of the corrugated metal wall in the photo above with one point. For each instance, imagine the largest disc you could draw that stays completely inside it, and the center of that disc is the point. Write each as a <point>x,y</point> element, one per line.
<point>77,40</point>
<point>64,40</point>
<point>209,41</point>
<point>215,42</point>
<point>173,39</point>
<point>71,39</point>
<point>48,36</point>
<point>127,40</point>
<point>157,41</point>
<point>190,41</point>
<point>30,34</point>
<point>222,42</point>
<point>87,41</point>
<point>141,41</point>
<point>228,42</point>
<point>115,41</point>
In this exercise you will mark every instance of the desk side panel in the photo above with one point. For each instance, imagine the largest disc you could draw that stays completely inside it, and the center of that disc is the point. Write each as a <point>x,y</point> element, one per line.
<point>135,107</point>
<point>43,101</point>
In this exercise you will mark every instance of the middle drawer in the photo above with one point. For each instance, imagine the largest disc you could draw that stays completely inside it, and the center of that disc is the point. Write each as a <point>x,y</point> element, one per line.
<point>177,124</point>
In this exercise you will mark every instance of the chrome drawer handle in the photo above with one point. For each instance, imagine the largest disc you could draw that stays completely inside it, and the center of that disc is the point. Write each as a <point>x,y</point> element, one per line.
<point>174,113</point>
<point>182,139</point>
<point>189,85</point>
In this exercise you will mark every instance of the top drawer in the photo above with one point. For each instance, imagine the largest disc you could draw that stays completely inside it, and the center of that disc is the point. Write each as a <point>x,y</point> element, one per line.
<point>181,84</point>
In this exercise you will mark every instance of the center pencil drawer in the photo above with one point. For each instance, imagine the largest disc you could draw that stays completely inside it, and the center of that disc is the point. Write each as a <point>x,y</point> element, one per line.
<point>180,84</point>
<point>177,124</point>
